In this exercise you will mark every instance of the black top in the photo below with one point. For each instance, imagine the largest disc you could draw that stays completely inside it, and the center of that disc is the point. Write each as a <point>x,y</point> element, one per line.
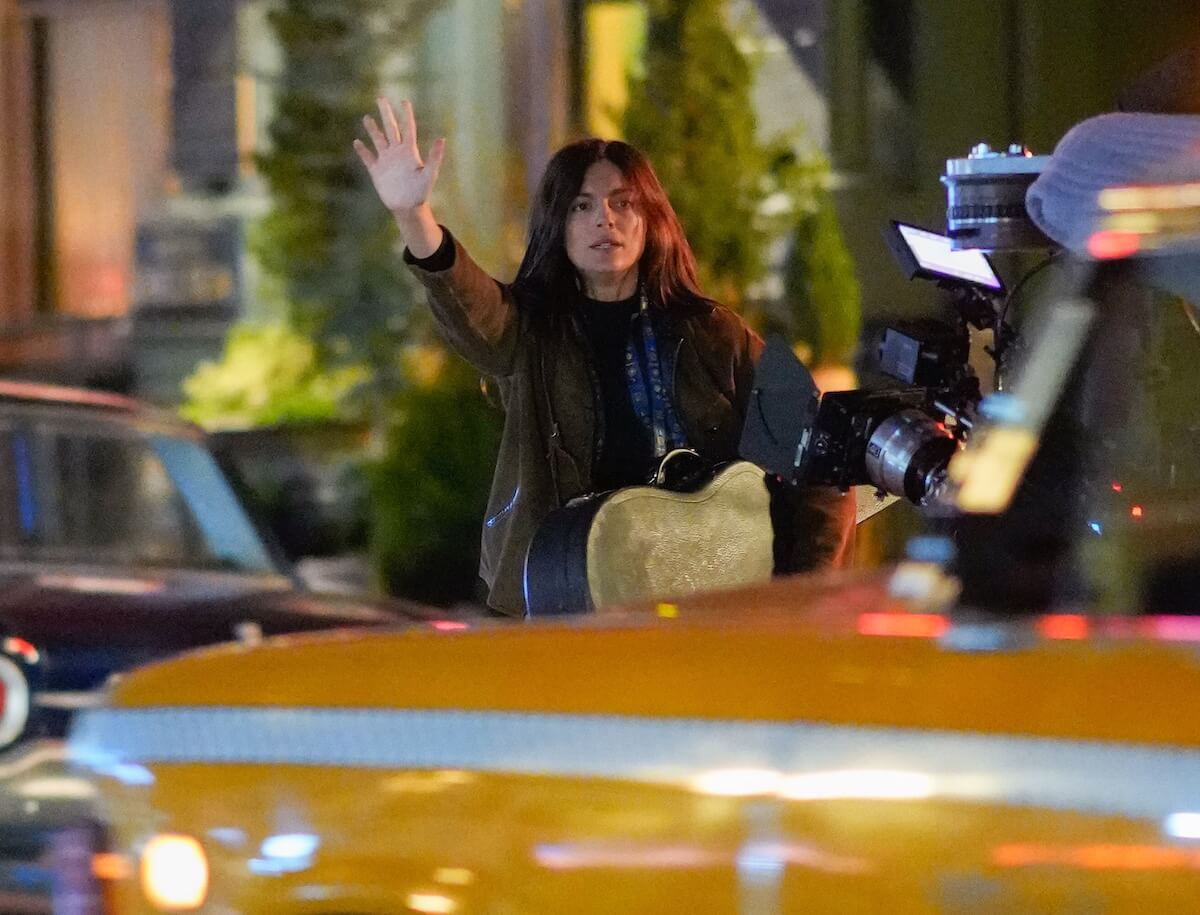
<point>626,452</point>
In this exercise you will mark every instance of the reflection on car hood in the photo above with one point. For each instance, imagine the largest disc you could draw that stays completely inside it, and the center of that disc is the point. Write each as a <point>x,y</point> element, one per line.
<point>839,650</point>
<point>90,622</point>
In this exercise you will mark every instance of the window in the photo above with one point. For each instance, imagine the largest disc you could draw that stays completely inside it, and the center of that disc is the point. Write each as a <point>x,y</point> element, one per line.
<point>99,77</point>
<point>107,495</point>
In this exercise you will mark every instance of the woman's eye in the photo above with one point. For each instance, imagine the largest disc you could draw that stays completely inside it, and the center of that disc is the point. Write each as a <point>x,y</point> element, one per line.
<point>624,204</point>
<point>579,207</point>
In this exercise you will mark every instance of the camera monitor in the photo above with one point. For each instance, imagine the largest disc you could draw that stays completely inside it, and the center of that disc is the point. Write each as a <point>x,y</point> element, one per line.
<point>930,255</point>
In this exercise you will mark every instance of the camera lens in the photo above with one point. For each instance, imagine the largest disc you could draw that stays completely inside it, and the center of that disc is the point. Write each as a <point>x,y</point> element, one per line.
<point>985,197</point>
<point>906,453</point>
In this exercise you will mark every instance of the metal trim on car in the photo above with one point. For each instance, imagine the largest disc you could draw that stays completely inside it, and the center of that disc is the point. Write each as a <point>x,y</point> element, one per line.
<point>16,701</point>
<point>1100,777</point>
<point>69,700</point>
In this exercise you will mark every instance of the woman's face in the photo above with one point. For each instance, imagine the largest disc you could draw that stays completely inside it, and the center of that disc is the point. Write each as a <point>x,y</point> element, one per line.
<point>606,233</point>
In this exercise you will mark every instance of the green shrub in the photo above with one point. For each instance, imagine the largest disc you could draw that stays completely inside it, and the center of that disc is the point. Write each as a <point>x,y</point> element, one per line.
<point>268,375</point>
<point>824,302</point>
<point>429,490</point>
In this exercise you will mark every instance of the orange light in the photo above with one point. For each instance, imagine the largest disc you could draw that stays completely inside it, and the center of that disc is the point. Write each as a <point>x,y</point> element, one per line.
<point>911,625</point>
<point>1112,245</point>
<point>1117,487</point>
<point>1020,855</point>
<point>1136,511</point>
<point>110,866</point>
<point>1097,857</point>
<point>1064,626</point>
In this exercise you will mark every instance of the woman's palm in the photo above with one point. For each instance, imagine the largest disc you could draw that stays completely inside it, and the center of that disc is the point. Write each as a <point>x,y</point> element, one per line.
<point>401,178</point>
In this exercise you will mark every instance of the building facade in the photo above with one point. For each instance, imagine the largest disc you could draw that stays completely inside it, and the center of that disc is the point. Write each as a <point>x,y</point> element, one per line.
<point>130,128</point>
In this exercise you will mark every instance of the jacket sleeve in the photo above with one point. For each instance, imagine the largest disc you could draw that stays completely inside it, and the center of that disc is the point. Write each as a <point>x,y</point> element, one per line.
<point>814,527</point>
<point>475,313</point>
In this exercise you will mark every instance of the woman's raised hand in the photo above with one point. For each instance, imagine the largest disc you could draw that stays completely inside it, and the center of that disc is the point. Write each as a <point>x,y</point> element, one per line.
<point>402,180</point>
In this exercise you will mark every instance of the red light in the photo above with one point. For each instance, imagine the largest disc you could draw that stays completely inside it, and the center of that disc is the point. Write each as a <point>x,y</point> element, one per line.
<point>1111,245</point>
<point>448,625</point>
<point>1063,626</point>
<point>1117,487</point>
<point>911,625</point>
<point>22,648</point>
<point>1136,511</point>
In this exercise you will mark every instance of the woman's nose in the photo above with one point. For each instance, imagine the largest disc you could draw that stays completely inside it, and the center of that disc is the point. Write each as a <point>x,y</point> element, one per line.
<point>604,214</point>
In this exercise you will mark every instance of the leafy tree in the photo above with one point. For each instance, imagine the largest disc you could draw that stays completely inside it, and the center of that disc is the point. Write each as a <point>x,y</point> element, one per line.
<point>331,279</point>
<point>326,242</point>
<point>824,302</point>
<point>691,110</point>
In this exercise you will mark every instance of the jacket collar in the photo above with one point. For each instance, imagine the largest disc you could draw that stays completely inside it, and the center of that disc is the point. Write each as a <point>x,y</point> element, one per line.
<point>672,321</point>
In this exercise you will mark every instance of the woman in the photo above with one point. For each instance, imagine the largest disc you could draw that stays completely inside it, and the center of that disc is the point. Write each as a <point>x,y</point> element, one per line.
<point>606,353</point>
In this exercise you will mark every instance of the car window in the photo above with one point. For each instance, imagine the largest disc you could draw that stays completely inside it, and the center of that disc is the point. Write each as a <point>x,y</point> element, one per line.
<point>107,494</point>
<point>227,531</point>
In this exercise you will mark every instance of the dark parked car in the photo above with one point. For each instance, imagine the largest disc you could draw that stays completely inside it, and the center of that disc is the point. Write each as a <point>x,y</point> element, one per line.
<point>121,541</point>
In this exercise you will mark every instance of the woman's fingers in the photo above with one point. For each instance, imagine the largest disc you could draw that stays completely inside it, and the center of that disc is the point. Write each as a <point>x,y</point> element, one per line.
<point>377,137</point>
<point>387,115</point>
<point>410,122</point>
<point>436,152</point>
<point>402,181</point>
<point>368,158</point>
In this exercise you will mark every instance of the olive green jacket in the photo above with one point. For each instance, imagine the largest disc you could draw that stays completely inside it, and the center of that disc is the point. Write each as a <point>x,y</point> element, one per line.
<point>552,428</point>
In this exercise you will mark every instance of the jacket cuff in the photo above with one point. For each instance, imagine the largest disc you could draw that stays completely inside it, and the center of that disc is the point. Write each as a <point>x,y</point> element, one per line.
<point>439,260</point>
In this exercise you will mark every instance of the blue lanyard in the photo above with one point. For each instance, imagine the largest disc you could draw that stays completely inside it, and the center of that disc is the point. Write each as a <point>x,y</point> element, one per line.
<point>648,389</point>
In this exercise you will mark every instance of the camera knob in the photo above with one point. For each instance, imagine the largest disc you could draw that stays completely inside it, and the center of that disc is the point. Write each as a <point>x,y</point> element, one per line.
<point>979,150</point>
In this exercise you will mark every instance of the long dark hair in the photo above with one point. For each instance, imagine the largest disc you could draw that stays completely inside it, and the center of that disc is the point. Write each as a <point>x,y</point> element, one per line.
<point>667,269</point>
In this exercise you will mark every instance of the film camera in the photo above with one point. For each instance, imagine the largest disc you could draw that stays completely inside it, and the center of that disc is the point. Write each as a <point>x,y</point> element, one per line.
<point>900,439</point>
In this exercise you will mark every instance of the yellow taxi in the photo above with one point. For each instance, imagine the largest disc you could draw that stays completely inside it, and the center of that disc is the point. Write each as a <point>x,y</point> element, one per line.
<point>827,749</point>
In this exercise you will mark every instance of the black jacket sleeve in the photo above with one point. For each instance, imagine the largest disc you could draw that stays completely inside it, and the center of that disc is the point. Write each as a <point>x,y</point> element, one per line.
<point>814,527</point>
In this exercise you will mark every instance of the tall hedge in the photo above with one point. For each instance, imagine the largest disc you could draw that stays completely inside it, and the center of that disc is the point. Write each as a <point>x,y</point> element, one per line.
<point>691,112</point>
<point>326,241</point>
